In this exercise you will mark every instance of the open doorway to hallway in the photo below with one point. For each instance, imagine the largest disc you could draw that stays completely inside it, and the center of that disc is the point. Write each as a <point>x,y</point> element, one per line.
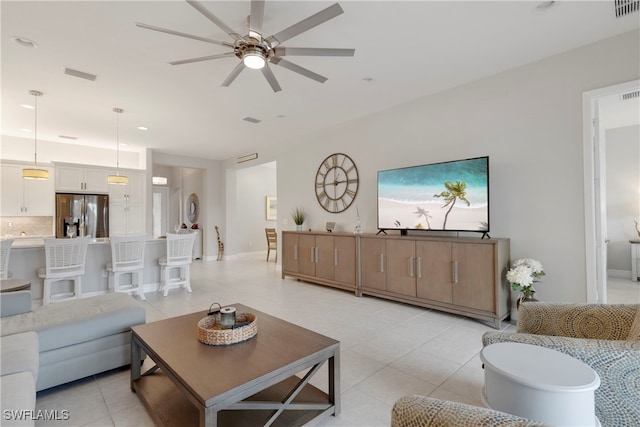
<point>251,191</point>
<point>612,190</point>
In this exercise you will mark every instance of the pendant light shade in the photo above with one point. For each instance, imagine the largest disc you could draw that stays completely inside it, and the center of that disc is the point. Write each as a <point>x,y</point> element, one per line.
<point>158,179</point>
<point>118,179</point>
<point>35,172</point>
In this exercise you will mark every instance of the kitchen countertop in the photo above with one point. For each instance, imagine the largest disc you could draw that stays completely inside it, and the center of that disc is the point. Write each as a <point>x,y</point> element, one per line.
<point>38,242</point>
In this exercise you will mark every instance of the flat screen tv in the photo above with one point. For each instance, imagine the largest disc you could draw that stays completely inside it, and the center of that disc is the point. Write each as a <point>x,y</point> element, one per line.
<point>447,196</point>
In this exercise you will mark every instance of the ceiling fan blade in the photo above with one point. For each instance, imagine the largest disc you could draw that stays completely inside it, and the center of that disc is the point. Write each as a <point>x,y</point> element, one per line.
<point>298,69</point>
<point>203,58</point>
<point>233,74</point>
<point>257,15</point>
<point>305,24</point>
<point>178,33</point>
<point>312,51</point>
<point>211,17</point>
<point>268,74</point>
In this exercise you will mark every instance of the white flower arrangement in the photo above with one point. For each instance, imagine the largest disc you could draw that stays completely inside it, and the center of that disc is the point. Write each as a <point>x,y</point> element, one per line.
<point>523,274</point>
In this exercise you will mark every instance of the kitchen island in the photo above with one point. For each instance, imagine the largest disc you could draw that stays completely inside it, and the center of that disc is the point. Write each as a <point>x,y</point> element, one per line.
<point>27,256</point>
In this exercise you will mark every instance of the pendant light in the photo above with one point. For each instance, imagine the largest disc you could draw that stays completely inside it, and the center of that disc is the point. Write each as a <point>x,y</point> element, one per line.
<point>158,179</point>
<point>35,172</point>
<point>117,178</point>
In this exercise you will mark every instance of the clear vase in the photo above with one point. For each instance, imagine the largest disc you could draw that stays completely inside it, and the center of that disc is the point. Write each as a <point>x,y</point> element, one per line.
<point>298,227</point>
<point>525,297</point>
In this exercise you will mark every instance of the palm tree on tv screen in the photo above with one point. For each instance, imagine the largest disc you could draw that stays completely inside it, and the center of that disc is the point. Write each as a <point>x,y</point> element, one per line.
<point>453,193</point>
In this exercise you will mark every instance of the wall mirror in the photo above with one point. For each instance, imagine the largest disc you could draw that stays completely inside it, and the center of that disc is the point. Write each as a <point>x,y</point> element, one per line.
<point>193,208</point>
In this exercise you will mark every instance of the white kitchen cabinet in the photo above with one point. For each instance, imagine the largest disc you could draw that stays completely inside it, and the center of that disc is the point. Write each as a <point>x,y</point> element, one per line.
<point>126,211</point>
<point>26,197</point>
<point>133,191</point>
<point>81,179</point>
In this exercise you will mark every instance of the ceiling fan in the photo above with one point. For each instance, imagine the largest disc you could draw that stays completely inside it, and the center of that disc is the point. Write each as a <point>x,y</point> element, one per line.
<point>256,51</point>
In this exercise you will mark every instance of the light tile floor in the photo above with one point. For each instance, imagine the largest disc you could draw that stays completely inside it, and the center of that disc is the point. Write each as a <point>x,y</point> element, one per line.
<point>388,349</point>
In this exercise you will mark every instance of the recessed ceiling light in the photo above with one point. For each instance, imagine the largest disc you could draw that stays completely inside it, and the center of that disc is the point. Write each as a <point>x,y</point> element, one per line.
<point>143,128</point>
<point>26,130</point>
<point>24,42</point>
<point>27,106</point>
<point>124,144</point>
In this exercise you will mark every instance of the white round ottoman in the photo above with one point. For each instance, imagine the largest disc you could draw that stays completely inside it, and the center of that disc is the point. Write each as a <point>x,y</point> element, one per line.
<point>540,384</point>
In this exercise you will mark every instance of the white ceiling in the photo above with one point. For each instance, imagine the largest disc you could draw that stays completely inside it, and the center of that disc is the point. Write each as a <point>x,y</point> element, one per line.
<point>409,50</point>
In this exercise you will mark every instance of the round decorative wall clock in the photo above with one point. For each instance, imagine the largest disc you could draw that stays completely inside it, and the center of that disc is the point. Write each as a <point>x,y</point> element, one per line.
<point>336,183</point>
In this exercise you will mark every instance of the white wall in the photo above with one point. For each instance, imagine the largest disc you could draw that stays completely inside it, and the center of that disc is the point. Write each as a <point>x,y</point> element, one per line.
<point>14,148</point>
<point>528,120</point>
<point>623,195</point>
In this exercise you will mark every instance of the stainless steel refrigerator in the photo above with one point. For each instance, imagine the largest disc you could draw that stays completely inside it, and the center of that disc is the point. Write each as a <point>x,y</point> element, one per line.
<point>88,213</point>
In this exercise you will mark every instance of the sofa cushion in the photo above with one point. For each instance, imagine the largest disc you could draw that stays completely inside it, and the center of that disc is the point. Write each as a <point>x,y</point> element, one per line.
<point>634,332</point>
<point>12,303</point>
<point>71,322</point>
<point>19,353</point>
<point>18,399</point>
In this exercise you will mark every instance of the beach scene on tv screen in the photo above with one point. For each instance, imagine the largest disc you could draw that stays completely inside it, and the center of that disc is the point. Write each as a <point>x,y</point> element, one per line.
<point>442,196</point>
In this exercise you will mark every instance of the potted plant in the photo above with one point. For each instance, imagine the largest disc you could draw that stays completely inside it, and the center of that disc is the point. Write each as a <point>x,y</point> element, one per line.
<point>298,216</point>
<point>523,274</point>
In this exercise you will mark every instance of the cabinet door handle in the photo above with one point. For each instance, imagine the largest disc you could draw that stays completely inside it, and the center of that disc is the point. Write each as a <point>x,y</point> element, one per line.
<point>295,252</point>
<point>335,257</point>
<point>317,253</point>
<point>419,267</point>
<point>381,263</point>
<point>454,268</point>
<point>410,259</point>
<point>313,259</point>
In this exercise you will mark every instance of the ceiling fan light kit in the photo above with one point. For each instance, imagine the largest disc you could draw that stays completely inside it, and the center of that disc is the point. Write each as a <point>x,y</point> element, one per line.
<point>255,51</point>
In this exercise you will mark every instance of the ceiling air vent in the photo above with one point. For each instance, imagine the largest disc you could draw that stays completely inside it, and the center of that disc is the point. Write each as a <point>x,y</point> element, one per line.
<point>251,119</point>
<point>80,74</point>
<point>67,137</point>
<point>625,7</point>
<point>247,158</point>
<point>631,95</point>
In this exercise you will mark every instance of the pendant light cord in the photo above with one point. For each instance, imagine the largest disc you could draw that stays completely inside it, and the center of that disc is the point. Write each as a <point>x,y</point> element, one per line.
<point>35,94</point>
<point>118,111</point>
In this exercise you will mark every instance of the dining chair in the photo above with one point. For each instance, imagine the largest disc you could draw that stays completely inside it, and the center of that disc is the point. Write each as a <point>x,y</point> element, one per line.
<point>64,261</point>
<point>5,251</point>
<point>272,242</point>
<point>127,258</point>
<point>179,257</point>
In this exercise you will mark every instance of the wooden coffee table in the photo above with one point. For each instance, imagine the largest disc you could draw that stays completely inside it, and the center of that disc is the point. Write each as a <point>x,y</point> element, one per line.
<point>247,384</point>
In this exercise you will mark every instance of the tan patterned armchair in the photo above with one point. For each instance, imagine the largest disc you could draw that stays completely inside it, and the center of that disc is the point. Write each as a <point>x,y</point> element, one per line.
<point>422,411</point>
<point>604,336</point>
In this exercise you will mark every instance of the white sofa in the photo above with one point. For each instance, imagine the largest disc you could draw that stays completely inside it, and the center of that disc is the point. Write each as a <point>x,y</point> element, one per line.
<point>18,377</point>
<point>61,342</point>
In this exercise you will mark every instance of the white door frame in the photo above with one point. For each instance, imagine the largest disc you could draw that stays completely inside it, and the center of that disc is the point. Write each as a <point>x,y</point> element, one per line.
<point>594,195</point>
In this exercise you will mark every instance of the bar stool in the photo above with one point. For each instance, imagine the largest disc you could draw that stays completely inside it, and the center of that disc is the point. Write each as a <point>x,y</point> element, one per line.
<point>127,257</point>
<point>179,256</point>
<point>65,260</point>
<point>5,251</point>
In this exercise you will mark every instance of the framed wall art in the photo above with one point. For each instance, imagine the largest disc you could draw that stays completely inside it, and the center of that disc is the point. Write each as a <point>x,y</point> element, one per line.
<point>272,208</point>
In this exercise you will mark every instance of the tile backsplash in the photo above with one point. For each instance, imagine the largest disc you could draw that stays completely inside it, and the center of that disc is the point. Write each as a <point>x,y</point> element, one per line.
<point>31,226</point>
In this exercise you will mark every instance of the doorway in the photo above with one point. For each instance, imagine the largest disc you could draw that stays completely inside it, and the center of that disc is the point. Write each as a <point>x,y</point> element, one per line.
<point>160,211</point>
<point>595,185</point>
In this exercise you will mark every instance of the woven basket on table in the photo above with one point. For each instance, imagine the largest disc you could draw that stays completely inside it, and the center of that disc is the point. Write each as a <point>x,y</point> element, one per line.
<point>211,333</point>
